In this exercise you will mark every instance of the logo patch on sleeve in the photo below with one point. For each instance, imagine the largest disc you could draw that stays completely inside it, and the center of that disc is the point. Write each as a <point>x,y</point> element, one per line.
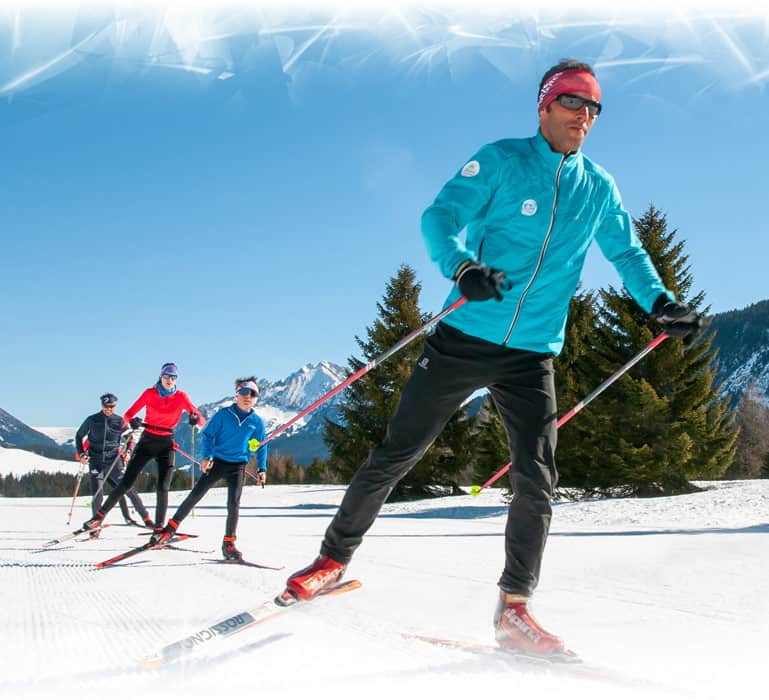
<point>471,169</point>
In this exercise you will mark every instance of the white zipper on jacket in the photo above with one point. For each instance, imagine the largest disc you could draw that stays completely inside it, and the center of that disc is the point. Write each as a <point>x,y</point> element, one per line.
<point>542,252</point>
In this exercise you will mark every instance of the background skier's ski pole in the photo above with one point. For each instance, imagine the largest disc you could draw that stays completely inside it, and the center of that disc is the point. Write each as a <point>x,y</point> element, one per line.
<point>124,453</point>
<point>475,490</point>
<point>74,494</point>
<point>106,475</point>
<point>367,368</point>
<point>192,466</point>
<point>188,456</point>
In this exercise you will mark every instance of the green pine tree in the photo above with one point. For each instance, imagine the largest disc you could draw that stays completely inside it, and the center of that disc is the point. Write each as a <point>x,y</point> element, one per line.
<point>575,377</point>
<point>572,379</point>
<point>663,423</point>
<point>371,400</point>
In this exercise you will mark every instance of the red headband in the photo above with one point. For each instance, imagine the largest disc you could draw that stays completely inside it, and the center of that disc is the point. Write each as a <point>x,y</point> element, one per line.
<point>568,81</point>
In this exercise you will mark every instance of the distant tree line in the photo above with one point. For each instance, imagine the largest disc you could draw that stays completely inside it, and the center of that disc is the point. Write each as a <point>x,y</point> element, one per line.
<point>40,483</point>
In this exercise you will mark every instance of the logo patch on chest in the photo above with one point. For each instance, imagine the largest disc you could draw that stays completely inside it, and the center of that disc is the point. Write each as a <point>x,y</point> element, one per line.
<point>529,207</point>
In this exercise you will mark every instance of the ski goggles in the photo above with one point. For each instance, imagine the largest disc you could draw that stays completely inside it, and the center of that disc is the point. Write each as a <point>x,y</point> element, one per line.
<point>576,103</point>
<point>248,392</point>
<point>165,375</point>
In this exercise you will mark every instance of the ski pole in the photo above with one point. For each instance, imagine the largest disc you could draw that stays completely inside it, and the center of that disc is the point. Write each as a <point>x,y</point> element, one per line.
<point>106,476</point>
<point>182,452</point>
<point>366,368</point>
<point>74,495</point>
<point>121,453</point>
<point>254,477</point>
<point>192,468</point>
<point>475,490</point>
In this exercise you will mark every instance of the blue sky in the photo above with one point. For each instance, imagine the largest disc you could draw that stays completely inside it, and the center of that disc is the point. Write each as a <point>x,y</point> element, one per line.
<point>231,189</point>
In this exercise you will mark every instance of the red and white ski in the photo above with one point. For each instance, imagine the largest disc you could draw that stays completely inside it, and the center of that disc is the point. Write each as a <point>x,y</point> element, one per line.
<point>568,664</point>
<point>178,537</point>
<point>234,624</point>
<point>71,535</point>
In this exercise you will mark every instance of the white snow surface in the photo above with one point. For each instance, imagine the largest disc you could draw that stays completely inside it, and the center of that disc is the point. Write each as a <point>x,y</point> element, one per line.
<point>18,462</point>
<point>669,594</point>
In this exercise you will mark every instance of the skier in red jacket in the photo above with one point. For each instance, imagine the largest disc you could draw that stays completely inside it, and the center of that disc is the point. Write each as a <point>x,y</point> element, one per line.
<point>163,404</point>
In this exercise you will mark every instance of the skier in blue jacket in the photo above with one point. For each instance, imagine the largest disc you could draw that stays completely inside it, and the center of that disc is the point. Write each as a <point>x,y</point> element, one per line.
<point>530,208</point>
<point>228,440</point>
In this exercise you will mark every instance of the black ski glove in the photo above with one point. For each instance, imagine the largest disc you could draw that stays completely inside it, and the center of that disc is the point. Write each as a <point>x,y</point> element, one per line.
<point>136,423</point>
<point>478,282</point>
<point>678,320</point>
<point>194,419</point>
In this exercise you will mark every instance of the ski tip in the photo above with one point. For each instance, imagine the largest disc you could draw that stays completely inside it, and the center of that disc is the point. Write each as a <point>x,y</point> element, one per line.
<point>569,656</point>
<point>562,656</point>
<point>286,599</point>
<point>151,662</point>
<point>350,584</point>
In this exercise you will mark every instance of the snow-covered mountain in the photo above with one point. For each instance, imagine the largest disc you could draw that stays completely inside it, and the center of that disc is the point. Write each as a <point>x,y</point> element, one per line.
<point>281,401</point>
<point>15,433</point>
<point>61,435</point>
<point>742,338</point>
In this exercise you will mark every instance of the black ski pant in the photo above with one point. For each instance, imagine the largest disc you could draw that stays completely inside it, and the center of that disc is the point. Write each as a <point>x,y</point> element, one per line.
<point>234,474</point>
<point>453,366</point>
<point>150,446</point>
<point>113,472</point>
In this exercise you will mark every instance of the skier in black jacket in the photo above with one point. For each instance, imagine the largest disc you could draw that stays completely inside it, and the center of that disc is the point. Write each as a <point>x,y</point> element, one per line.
<point>102,455</point>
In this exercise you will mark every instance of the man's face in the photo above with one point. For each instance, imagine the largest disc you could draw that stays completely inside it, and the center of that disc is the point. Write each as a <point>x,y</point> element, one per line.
<point>108,409</point>
<point>566,129</point>
<point>245,400</point>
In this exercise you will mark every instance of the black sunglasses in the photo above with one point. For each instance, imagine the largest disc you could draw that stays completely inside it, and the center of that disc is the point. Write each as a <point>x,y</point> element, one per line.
<point>575,103</point>
<point>247,392</point>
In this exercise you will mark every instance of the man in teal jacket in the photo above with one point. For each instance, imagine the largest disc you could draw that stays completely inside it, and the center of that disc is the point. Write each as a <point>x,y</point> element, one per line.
<point>530,208</point>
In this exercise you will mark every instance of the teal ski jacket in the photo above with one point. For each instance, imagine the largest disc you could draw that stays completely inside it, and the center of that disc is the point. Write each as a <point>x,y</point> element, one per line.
<point>533,214</point>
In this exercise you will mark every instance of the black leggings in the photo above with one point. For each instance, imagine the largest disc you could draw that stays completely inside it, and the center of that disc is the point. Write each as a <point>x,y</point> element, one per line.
<point>233,473</point>
<point>115,475</point>
<point>150,446</point>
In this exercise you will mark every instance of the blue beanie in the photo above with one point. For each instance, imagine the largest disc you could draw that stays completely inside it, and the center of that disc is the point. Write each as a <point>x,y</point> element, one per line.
<point>169,368</point>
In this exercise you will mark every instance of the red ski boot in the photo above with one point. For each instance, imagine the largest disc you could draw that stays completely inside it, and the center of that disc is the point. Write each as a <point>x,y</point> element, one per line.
<point>308,582</point>
<point>161,535</point>
<point>516,630</point>
<point>229,551</point>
